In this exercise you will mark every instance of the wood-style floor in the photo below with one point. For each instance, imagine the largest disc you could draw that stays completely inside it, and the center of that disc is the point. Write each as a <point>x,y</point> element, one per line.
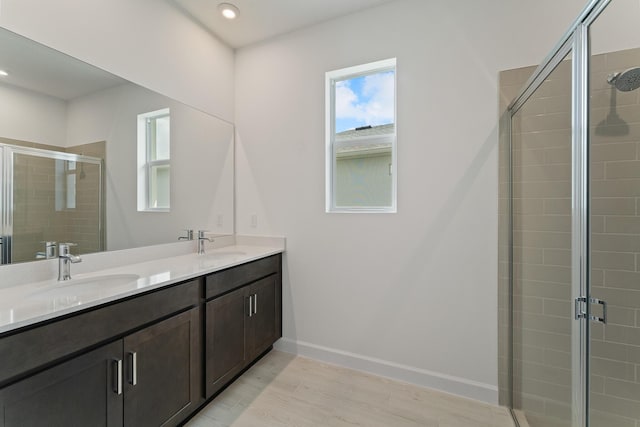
<point>285,390</point>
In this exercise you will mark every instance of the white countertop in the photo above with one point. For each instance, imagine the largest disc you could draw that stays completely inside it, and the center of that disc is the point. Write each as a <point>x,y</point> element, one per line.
<point>26,304</point>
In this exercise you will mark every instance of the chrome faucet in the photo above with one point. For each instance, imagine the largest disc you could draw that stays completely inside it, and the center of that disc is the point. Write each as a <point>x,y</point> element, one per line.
<point>189,235</point>
<point>49,251</point>
<point>201,240</point>
<point>65,259</point>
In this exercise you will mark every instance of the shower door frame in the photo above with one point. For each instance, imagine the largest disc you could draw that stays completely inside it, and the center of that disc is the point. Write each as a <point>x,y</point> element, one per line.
<point>575,42</point>
<point>7,152</point>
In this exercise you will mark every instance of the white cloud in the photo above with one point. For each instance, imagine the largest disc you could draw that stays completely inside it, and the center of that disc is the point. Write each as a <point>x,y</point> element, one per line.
<point>346,101</point>
<point>375,104</point>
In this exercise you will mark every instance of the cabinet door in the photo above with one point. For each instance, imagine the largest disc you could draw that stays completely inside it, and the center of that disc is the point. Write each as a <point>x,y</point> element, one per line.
<point>225,339</point>
<point>80,392</point>
<point>162,372</point>
<point>262,330</point>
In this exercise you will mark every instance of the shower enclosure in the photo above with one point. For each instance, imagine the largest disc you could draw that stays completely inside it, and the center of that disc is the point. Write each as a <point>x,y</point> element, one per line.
<point>570,227</point>
<point>46,197</point>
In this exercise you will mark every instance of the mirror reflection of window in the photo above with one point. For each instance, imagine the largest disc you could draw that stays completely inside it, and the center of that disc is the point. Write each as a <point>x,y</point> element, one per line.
<point>65,194</point>
<point>154,156</point>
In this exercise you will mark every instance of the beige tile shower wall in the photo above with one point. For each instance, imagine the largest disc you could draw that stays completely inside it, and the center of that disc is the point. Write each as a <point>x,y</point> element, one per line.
<point>542,248</point>
<point>615,244</point>
<point>541,174</point>
<point>34,182</point>
<point>35,216</point>
<point>85,225</point>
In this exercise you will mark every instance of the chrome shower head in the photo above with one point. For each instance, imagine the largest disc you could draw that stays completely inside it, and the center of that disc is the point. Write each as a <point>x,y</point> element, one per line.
<point>625,81</point>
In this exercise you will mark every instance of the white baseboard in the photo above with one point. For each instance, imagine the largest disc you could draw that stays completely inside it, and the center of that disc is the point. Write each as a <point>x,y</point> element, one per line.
<point>445,383</point>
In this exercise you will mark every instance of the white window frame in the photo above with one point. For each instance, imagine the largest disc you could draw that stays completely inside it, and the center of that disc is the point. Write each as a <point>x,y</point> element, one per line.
<point>145,165</point>
<point>331,145</point>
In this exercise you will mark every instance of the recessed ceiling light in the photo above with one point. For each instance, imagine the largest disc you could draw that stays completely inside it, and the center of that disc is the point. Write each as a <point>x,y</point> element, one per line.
<point>228,10</point>
<point>3,73</point>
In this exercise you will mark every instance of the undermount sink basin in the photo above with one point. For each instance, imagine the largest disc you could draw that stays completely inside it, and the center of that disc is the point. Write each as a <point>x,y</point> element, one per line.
<point>86,286</point>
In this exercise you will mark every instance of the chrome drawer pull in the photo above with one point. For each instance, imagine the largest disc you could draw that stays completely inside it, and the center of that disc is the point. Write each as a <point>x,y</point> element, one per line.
<point>118,373</point>
<point>133,379</point>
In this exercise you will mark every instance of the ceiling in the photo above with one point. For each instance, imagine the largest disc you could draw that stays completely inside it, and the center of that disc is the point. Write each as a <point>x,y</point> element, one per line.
<point>262,19</point>
<point>41,69</point>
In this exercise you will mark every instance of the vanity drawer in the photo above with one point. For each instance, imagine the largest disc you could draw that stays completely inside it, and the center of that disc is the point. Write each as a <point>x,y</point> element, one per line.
<point>26,351</point>
<point>227,280</point>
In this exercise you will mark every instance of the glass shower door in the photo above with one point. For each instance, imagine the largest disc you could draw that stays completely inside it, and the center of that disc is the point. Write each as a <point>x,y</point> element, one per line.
<point>542,297</point>
<point>50,197</point>
<point>614,134</point>
<point>4,231</point>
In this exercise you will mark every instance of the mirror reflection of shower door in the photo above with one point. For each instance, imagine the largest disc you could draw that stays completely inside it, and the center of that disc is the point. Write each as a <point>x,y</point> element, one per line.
<point>55,197</point>
<point>543,335</point>
<point>4,213</point>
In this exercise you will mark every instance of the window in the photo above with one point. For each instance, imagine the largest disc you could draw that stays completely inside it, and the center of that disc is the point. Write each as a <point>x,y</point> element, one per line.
<point>65,185</point>
<point>154,169</point>
<point>361,138</point>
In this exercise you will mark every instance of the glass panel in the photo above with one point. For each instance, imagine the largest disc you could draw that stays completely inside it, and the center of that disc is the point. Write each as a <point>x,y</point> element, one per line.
<point>364,176</point>
<point>159,136</point>
<point>35,217</point>
<point>159,176</point>
<point>614,358</point>
<point>365,101</point>
<point>542,309</point>
<point>55,200</point>
<point>3,239</point>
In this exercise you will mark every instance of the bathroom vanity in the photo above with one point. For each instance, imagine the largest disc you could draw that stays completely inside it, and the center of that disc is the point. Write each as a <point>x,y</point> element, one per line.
<point>151,352</point>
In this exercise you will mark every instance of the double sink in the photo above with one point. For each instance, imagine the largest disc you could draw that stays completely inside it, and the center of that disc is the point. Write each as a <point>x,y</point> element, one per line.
<point>51,298</point>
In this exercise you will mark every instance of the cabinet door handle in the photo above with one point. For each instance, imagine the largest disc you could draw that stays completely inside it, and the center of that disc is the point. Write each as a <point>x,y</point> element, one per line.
<point>117,370</point>
<point>255,303</point>
<point>250,305</point>
<point>133,378</point>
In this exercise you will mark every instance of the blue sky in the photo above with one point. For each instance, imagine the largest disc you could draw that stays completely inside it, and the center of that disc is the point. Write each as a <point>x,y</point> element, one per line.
<point>366,100</point>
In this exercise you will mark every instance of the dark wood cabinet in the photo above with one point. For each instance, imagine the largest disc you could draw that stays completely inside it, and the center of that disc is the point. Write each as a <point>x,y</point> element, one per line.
<point>225,341</point>
<point>261,328</point>
<point>162,372</point>
<point>80,392</point>
<point>242,323</point>
<point>149,378</point>
<point>139,362</point>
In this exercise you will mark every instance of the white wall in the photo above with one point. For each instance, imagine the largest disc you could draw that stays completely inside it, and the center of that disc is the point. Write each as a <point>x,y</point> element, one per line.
<point>30,116</point>
<point>413,294</point>
<point>201,165</point>
<point>148,42</point>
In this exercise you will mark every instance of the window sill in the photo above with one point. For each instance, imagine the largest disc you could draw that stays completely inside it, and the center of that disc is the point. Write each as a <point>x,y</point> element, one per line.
<point>362,210</point>
<point>154,210</point>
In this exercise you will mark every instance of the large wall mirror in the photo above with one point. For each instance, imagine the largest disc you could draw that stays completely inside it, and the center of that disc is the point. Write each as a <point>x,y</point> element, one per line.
<point>90,158</point>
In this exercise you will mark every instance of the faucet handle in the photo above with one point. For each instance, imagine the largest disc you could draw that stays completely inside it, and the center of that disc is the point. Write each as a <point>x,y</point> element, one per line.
<point>63,248</point>
<point>49,249</point>
<point>201,235</point>
<point>189,236</point>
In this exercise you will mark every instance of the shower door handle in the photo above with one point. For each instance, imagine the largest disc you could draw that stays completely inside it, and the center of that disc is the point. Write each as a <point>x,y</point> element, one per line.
<point>581,313</point>
<point>602,319</point>
<point>4,250</point>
